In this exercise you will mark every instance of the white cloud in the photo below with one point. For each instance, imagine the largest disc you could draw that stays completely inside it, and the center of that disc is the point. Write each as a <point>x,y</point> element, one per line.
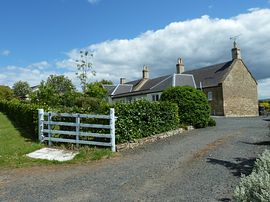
<point>264,88</point>
<point>200,42</point>
<point>93,1</point>
<point>33,73</point>
<point>254,9</point>
<point>39,65</point>
<point>5,53</point>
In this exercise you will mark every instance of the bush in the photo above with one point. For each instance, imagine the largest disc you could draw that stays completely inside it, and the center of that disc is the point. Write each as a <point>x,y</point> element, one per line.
<point>134,120</point>
<point>6,93</point>
<point>211,122</point>
<point>192,103</point>
<point>22,115</point>
<point>87,104</point>
<point>256,186</point>
<point>142,118</point>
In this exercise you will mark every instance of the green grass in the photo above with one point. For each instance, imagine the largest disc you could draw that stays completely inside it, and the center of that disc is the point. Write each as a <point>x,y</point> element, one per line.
<point>15,144</point>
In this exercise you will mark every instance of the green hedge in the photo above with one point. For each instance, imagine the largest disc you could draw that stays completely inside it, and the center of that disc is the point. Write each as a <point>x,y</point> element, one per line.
<point>135,120</point>
<point>23,115</point>
<point>142,118</point>
<point>192,103</point>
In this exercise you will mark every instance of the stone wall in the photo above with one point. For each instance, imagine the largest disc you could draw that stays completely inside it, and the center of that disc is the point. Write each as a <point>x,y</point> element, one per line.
<point>217,100</point>
<point>240,92</point>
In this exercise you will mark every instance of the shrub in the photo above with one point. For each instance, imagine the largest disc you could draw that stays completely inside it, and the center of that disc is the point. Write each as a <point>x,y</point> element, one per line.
<point>87,104</point>
<point>256,186</point>
<point>211,122</point>
<point>22,115</point>
<point>143,118</point>
<point>192,103</point>
<point>6,93</point>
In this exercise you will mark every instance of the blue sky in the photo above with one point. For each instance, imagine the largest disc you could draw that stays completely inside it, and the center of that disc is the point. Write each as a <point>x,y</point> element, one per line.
<point>40,37</point>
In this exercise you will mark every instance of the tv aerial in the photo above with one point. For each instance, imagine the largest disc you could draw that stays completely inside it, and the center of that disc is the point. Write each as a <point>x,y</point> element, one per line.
<point>234,38</point>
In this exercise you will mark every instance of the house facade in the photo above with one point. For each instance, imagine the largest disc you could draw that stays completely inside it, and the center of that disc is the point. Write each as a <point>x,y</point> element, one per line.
<point>147,88</point>
<point>230,87</point>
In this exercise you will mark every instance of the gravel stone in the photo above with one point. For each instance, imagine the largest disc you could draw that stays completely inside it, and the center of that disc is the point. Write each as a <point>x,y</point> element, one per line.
<point>202,165</point>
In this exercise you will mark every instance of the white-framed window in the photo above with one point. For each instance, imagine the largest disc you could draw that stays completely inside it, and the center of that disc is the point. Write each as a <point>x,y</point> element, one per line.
<point>210,96</point>
<point>155,97</point>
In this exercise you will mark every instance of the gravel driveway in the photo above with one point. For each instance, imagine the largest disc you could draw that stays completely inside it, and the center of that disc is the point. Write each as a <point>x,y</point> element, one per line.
<point>201,165</point>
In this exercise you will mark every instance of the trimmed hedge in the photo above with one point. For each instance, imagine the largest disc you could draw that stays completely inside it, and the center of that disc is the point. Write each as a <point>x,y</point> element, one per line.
<point>22,115</point>
<point>142,118</point>
<point>256,186</point>
<point>192,103</point>
<point>135,120</point>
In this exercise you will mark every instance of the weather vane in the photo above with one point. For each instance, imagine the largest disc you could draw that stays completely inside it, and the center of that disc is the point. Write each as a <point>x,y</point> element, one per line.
<point>234,39</point>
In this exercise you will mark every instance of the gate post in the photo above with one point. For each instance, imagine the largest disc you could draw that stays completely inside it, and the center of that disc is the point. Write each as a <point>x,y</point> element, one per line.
<point>112,129</point>
<point>40,124</point>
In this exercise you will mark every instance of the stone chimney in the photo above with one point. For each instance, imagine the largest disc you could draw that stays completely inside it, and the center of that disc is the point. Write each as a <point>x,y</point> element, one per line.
<point>122,80</point>
<point>145,72</point>
<point>236,54</point>
<point>180,68</point>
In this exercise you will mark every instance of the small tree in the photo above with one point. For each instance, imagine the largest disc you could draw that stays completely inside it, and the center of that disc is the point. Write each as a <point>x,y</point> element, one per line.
<point>6,93</point>
<point>21,89</point>
<point>193,105</point>
<point>96,89</point>
<point>84,66</point>
<point>57,90</point>
<point>266,105</point>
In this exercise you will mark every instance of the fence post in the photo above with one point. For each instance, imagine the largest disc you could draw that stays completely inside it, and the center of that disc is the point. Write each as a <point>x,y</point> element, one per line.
<point>50,128</point>
<point>40,124</point>
<point>112,129</point>
<point>77,129</point>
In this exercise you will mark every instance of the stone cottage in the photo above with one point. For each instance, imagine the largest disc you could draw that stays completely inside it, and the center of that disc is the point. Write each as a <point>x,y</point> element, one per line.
<point>147,88</point>
<point>230,87</point>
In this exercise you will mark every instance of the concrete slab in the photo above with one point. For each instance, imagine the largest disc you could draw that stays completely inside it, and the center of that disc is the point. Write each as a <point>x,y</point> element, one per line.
<point>53,154</point>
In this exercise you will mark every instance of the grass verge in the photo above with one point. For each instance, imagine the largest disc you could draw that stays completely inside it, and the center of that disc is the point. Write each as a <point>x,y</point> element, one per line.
<point>15,144</point>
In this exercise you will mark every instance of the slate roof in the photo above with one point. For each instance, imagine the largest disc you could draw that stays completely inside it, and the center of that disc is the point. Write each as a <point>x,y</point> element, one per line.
<point>151,85</point>
<point>109,88</point>
<point>210,75</point>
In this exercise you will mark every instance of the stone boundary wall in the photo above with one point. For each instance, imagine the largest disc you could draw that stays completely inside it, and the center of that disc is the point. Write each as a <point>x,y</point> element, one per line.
<point>139,142</point>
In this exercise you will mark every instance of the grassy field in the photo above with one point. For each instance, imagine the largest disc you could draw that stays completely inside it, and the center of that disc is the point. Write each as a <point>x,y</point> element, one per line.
<point>15,144</point>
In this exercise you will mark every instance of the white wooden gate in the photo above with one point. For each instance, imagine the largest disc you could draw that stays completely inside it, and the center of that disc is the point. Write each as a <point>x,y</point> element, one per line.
<point>47,131</point>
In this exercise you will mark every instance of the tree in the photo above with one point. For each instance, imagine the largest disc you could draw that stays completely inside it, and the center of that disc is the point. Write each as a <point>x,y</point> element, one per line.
<point>60,84</point>
<point>21,89</point>
<point>84,66</point>
<point>57,90</point>
<point>96,89</point>
<point>6,93</point>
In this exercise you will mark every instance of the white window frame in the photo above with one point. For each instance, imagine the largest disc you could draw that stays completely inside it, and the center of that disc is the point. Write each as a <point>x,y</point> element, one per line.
<point>210,96</point>
<point>155,97</point>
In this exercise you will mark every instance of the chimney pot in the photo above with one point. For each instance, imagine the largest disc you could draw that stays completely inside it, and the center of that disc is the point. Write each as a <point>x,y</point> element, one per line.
<point>145,72</point>
<point>122,80</point>
<point>236,53</point>
<point>180,68</point>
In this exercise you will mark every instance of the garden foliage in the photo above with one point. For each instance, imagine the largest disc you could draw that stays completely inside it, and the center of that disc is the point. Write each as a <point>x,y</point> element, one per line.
<point>192,103</point>
<point>22,115</point>
<point>256,186</point>
<point>142,118</point>
<point>6,93</point>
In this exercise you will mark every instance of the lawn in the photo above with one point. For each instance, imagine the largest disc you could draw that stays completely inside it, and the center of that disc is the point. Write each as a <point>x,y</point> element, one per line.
<point>15,144</point>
